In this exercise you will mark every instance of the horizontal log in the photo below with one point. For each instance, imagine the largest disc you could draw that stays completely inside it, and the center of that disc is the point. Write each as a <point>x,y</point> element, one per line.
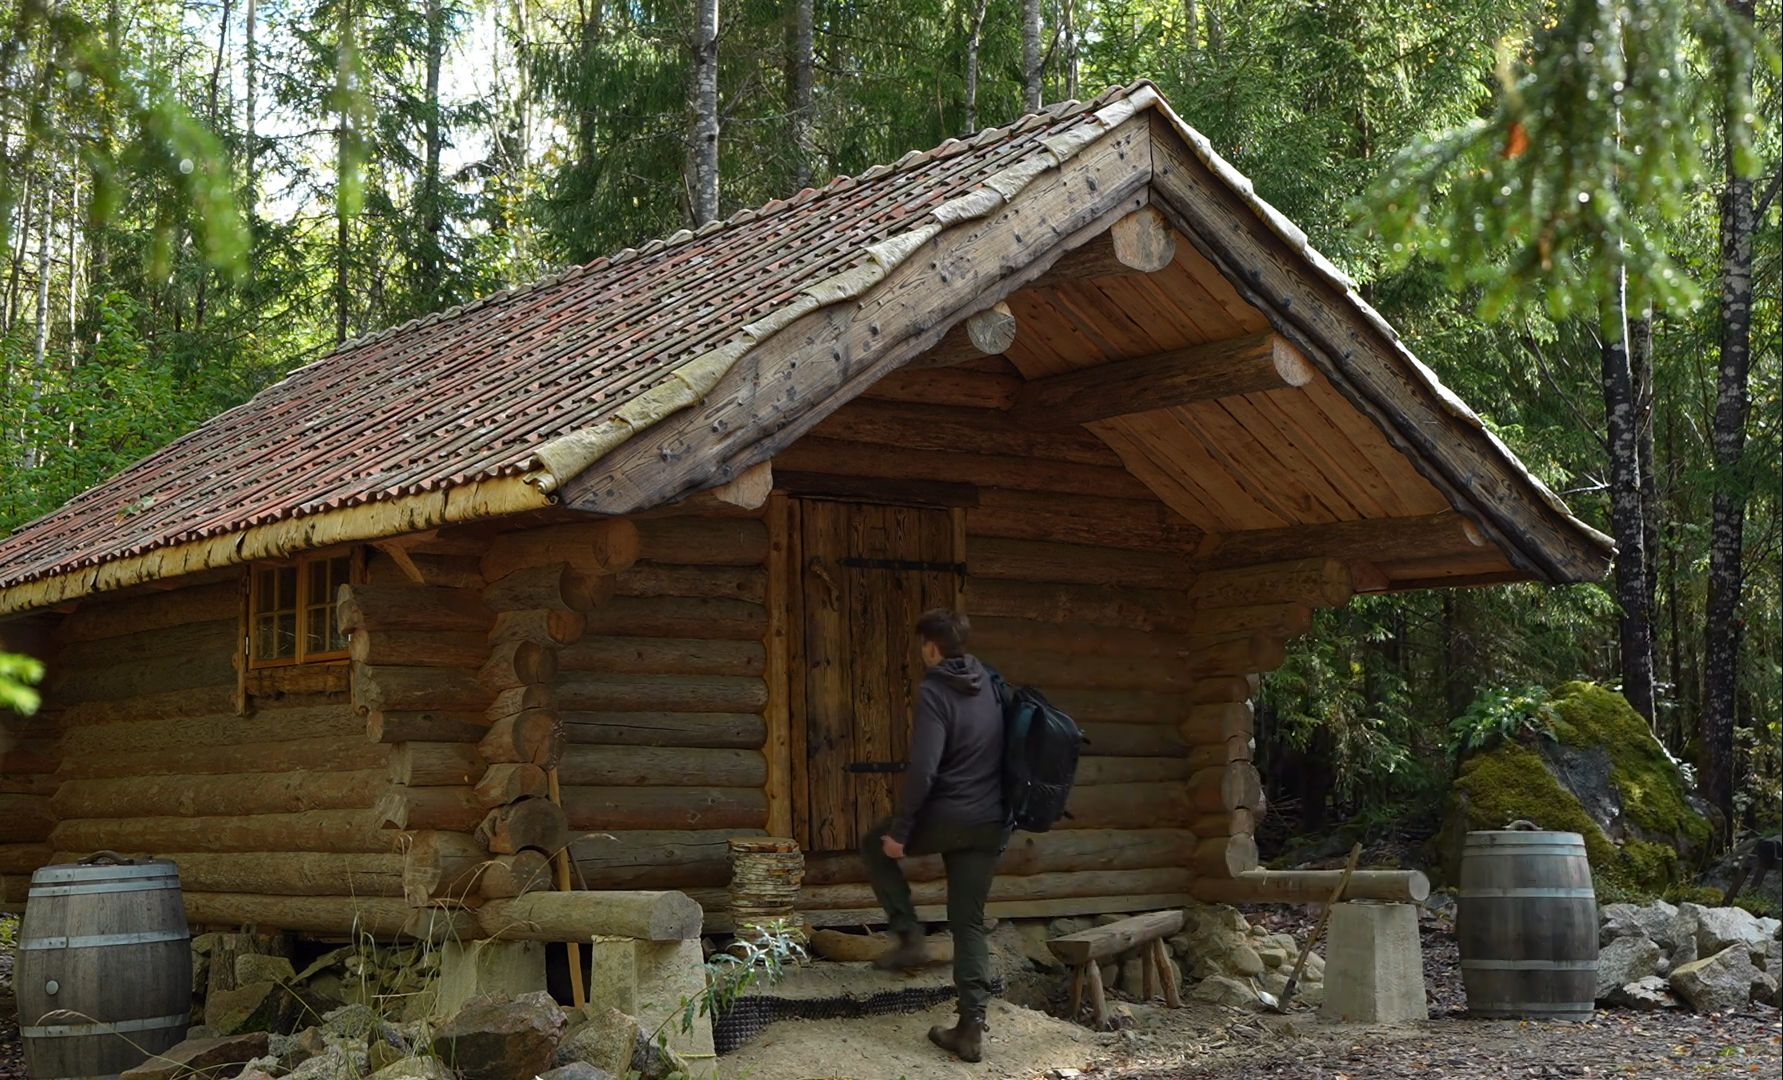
<point>593,547</point>
<point>817,467</point>
<point>518,699</point>
<point>288,873</point>
<point>333,916</point>
<point>425,725</point>
<point>656,858</point>
<point>1240,656</point>
<point>454,809</point>
<point>1076,564</point>
<point>1130,770</point>
<point>425,567</point>
<point>574,916</point>
<point>206,703</point>
<point>18,858</point>
<point>664,807</point>
<point>952,387</point>
<point>169,644</point>
<point>540,627</point>
<point>419,648</point>
<point>992,635</point>
<point>1217,689</point>
<point>25,818</point>
<point>1225,856</point>
<point>1132,740</point>
<point>1277,620</point>
<point>202,795</point>
<point>1090,707</point>
<point>1131,609</point>
<point>1204,754</point>
<point>1140,243</point>
<point>538,824</point>
<point>1133,524</point>
<point>663,656</point>
<point>411,607</point>
<point>344,831</point>
<point>704,541</point>
<point>1227,787</point>
<point>953,429</point>
<point>581,691</point>
<point>402,689</point>
<point>1380,540</point>
<point>649,766</point>
<point>455,867</point>
<point>1090,671</point>
<point>557,587</point>
<point>517,663</point>
<point>1251,364</point>
<point>435,764</point>
<point>743,731</point>
<point>1315,582</point>
<point>746,583</point>
<point>1226,823</point>
<point>1128,806</point>
<point>346,752</point>
<point>1217,724</point>
<point>207,663</point>
<point>678,617</point>
<point>1315,886</point>
<point>161,609</point>
<point>1012,887</point>
<point>535,736</point>
<point>505,782</point>
<point>1058,851</point>
<point>1101,942</point>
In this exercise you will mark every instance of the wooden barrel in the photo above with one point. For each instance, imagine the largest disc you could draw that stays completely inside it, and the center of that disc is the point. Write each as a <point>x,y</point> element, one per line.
<point>104,967</point>
<point>1527,925</point>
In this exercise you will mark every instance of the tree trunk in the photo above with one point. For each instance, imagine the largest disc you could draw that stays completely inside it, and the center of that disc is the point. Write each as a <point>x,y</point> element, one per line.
<point>1191,32</point>
<point>1640,363</point>
<point>1626,522</point>
<point>432,223</point>
<point>1216,31</point>
<point>799,103</point>
<point>345,165</point>
<point>1721,653</point>
<point>1677,733</point>
<point>1068,32</point>
<point>45,237</point>
<point>974,38</point>
<point>250,178</point>
<point>1031,63</point>
<point>704,196</point>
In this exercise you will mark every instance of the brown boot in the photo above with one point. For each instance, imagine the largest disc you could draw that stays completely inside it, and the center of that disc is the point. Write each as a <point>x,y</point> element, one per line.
<point>965,1040</point>
<point>910,951</point>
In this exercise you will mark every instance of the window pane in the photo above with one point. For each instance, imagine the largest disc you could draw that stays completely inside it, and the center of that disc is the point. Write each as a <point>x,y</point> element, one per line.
<point>286,633</point>
<point>287,590</point>
<point>275,636</point>
<point>266,589</point>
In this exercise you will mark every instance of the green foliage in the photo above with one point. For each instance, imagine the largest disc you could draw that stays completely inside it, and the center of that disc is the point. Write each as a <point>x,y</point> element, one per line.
<point>1499,714</point>
<point>1554,195</point>
<point>18,674</point>
<point>759,954</point>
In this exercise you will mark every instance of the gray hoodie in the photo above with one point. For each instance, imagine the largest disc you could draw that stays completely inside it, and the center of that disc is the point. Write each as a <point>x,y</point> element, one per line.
<point>956,751</point>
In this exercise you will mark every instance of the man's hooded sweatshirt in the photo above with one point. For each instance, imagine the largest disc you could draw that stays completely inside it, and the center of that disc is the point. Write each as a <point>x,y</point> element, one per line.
<point>955,776</point>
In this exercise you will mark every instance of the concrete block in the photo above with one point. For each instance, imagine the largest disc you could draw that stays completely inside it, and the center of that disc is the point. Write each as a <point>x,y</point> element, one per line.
<point>1374,966</point>
<point>473,968</point>
<point>650,980</point>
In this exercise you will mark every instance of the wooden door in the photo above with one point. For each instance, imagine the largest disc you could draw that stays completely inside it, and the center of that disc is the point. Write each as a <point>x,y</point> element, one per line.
<point>867,572</point>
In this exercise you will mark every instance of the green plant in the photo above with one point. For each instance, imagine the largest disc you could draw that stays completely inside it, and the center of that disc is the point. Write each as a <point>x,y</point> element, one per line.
<point>17,676</point>
<point>1499,714</point>
<point>760,953</point>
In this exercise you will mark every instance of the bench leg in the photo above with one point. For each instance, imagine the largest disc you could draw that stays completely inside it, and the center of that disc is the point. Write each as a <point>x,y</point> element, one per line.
<point>1148,969</point>
<point>1098,998</point>
<point>1077,978</point>
<point>1161,959</point>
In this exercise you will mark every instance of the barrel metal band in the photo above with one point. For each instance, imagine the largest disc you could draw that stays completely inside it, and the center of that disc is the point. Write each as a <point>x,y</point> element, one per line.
<point>96,941</point>
<point>1530,965</point>
<point>1522,852</point>
<point>1501,894</point>
<point>116,1027</point>
<point>145,885</point>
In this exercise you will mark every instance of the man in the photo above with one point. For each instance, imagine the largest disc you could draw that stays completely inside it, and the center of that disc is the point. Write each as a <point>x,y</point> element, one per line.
<point>952,804</point>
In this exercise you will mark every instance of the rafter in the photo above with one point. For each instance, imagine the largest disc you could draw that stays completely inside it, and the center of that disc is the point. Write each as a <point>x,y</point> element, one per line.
<point>1242,365</point>
<point>1381,541</point>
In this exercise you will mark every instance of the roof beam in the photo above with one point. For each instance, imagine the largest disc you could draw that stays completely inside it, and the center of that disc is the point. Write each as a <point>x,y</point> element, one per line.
<point>1140,243</point>
<point>985,333</point>
<point>1381,541</point>
<point>1242,365</point>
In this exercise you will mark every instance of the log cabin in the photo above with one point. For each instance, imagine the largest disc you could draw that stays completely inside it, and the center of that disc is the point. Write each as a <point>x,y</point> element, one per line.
<point>623,563</point>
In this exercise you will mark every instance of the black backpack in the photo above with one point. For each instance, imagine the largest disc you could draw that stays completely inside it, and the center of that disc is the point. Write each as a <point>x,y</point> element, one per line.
<point>1040,749</point>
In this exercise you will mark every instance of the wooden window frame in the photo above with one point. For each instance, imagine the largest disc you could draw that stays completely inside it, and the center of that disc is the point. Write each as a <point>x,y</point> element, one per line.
<point>302,563</point>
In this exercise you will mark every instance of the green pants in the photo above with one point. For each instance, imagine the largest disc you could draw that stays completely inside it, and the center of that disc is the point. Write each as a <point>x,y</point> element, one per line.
<point>970,854</point>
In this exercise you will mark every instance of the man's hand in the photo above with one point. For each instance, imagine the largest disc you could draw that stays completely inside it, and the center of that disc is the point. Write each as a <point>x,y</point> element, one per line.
<point>892,849</point>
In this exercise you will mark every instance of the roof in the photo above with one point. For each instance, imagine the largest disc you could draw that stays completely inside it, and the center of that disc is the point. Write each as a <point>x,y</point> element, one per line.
<point>489,408</point>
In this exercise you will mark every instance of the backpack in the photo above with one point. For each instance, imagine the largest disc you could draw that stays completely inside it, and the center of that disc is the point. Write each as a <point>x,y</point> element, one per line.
<point>1040,749</point>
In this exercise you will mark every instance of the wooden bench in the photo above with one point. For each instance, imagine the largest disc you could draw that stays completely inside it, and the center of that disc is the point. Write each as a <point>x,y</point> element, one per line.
<point>1086,949</point>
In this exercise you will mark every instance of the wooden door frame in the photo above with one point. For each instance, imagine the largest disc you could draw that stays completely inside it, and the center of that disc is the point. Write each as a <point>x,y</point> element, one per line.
<point>787,719</point>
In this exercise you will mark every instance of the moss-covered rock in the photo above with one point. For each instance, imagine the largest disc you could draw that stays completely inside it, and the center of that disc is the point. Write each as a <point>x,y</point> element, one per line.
<point>1600,774</point>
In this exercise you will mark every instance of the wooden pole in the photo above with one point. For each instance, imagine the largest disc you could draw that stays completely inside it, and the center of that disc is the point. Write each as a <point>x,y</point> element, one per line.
<point>578,992</point>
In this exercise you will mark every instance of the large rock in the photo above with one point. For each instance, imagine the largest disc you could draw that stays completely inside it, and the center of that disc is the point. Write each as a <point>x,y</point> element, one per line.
<point>1657,922</point>
<point>263,967</point>
<point>351,1021</point>
<point>1623,961</point>
<point>1225,990</point>
<point>615,1043</point>
<point>333,1064</point>
<point>496,1039</point>
<point>1719,983</point>
<point>259,1006</point>
<point>1599,772</point>
<point>413,1067</point>
<point>198,1058</point>
<point>1717,928</point>
<point>576,1070</point>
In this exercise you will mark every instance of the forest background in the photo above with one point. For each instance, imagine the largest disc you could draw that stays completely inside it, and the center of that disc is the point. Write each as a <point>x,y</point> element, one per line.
<point>197,196</point>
